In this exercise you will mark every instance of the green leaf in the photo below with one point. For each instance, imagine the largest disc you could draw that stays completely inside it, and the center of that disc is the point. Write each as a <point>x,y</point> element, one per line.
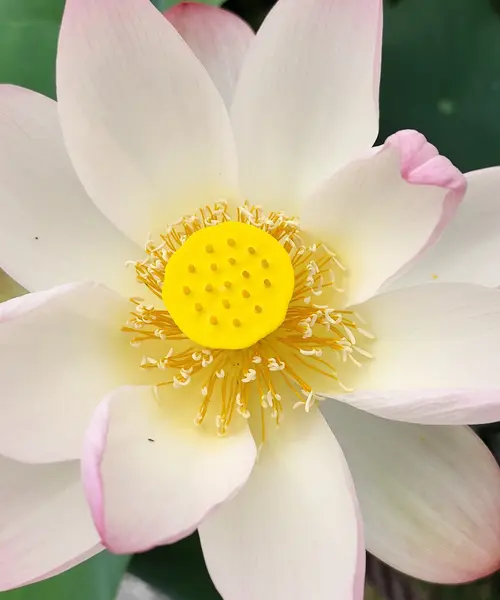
<point>441,75</point>
<point>9,288</point>
<point>165,4</point>
<point>28,43</point>
<point>36,10</point>
<point>95,579</point>
<point>178,571</point>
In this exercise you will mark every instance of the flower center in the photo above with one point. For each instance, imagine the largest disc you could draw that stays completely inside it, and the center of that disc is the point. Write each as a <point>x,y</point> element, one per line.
<point>229,286</point>
<point>247,312</point>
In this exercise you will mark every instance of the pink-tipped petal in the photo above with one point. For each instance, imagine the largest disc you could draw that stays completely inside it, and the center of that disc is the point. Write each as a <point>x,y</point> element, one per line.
<point>217,37</point>
<point>378,213</point>
<point>50,230</point>
<point>435,352</point>
<point>45,525</point>
<point>421,164</point>
<point>294,531</point>
<point>304,103</point>
<point>429,495</point>
<point>151,475</point>
<point>145,127</point>
<point>61,351</point>
<point>470,245</point>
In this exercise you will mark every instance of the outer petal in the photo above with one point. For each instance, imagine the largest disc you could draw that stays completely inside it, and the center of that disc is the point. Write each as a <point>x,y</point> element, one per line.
<point>293,531</point>
<point>380,212</point>
<point>45,525</point>
<point>470,246</point>
<point>47,217</point>
<point>305,101</point>
<point>150,475</point>
<point>429,495</point>
<point>61,351</point>
<point>145,127</point>
<point>435,355</point>
<point>218,38</point>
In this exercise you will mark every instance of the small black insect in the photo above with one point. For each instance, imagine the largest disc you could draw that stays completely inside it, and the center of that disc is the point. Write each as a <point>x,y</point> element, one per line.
<point>150,440</point>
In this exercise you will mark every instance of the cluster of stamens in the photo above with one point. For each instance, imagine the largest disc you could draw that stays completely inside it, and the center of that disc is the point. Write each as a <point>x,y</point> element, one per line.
<point>312,338</point>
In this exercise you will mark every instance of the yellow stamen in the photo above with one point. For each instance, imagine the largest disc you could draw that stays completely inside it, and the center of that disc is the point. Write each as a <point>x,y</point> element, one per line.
<point>244,296</point>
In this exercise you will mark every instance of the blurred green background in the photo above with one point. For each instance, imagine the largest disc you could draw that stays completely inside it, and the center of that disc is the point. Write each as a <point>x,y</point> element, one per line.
<point>440,75</point>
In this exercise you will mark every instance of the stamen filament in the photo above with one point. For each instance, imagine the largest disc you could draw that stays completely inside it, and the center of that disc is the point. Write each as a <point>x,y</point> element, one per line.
<point>242,380</point>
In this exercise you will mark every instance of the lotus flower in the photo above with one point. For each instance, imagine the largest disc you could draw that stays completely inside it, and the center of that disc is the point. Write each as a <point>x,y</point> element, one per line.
<point>219,328</point>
